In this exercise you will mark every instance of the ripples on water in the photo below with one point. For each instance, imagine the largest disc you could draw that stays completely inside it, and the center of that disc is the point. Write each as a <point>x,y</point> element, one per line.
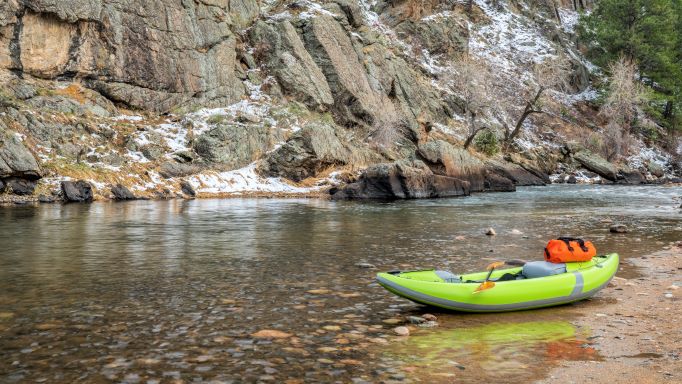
<point>173,289</point>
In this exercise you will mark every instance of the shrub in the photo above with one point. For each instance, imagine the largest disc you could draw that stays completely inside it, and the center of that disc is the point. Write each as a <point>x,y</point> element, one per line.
<point>487,142</point>
<point>216,119</point>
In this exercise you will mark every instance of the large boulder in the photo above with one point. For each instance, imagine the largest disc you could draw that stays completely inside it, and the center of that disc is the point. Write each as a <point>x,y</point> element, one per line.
<point>402,180</point>
<point>121,192</point>
<point>597,164</point>
<point>516,173</point>
<point>19,186</point>
<point>233,145</point>
<point>631,177</point>
<point>294,68</point>
<point>312,149</point>
<point>79,191</point>
<point>15,159</point>
<point>446,160</point>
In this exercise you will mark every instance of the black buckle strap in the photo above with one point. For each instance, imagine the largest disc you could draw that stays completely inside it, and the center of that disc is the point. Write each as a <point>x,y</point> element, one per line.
<point>580,242</point>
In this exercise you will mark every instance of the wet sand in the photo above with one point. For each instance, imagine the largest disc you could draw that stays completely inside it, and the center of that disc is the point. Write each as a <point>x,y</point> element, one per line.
<point>635,328</point>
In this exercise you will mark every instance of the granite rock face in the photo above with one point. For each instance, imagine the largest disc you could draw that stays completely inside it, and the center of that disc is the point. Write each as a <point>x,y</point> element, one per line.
<point>159,57</point>
<point>286,57</point>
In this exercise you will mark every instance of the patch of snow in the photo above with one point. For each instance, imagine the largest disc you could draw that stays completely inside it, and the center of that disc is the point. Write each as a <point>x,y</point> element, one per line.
<point>569,19</point>
<point>509,41</point>
<point>647,155</point>
<point>312,9</point>
<point>174,134</point>
<point>128,118</point>
<point>436,16</point>
<point>281,16</point>
<point>242,181</point>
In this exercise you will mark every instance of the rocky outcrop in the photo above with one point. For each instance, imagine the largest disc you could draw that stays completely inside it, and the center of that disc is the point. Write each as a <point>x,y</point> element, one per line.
<point>497,183</point>
<point>446,160</point>
<point>414,95</point>
<point>157,57</point>
<point>355,101</point>
<point>312,149</point>
<point>233,145</point>
<point>77,192</point>
<point>445,34</point>
<point>404,179</point>
<point>286,57</point>
<point>515,173</point>
<point>596,164</point>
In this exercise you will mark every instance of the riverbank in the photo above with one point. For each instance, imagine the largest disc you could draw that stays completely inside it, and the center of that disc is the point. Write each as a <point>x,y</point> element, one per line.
<point>635,326</point>
<point>626,333</point>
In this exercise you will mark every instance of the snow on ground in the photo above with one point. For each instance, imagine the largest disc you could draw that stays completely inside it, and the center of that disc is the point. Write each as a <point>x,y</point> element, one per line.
<point>509,42</point>
<point>646,155</point>
<point>242,181</point>
<point>569,19</point>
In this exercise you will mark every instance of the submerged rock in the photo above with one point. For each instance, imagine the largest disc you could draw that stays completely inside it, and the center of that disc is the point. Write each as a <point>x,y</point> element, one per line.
<point>618,228</point>
<point>271,334</point>
<point>491,232</point>
<point>401,331</point>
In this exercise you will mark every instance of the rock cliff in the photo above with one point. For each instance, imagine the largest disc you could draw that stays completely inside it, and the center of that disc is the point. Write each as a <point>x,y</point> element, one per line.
<point>167,98</point>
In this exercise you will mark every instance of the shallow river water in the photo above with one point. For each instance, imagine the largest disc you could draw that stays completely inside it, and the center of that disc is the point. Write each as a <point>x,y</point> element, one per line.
<point>171,291</point>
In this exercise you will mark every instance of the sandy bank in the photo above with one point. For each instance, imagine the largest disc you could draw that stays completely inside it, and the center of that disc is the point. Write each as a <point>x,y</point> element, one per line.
<point>635,326</point>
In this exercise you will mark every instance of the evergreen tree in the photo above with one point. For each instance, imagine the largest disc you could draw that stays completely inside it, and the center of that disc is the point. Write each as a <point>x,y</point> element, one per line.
<point>645,32</point>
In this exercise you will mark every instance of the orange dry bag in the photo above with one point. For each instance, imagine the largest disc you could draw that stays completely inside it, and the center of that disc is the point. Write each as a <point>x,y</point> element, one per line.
<point>569,250</point>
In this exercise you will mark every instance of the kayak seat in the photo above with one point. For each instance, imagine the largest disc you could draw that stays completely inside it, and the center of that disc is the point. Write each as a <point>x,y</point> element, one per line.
<point>448,276</point>
<point>535,269</point>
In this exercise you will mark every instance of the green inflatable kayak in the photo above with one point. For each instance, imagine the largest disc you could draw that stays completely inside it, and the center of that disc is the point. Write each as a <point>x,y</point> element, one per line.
<point>536,284</point>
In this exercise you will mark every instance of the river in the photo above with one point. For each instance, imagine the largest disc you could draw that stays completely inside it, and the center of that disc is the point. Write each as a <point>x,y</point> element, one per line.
<point>162,291</point>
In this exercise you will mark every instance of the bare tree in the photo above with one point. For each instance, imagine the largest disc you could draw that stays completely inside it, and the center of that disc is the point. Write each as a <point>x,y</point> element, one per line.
<point>550,74</point>
<point>471,80</point>
<point>387,130</point>
<point>625,95</point>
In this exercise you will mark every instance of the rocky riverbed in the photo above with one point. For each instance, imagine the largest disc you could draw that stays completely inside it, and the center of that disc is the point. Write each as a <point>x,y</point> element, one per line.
<point>234,290</point>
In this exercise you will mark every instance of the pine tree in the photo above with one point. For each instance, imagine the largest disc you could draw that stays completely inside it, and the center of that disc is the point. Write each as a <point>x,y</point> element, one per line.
<point>647,33</point>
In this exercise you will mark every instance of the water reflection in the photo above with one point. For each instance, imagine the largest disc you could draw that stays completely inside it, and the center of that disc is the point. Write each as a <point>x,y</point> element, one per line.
<point>493,351</point>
